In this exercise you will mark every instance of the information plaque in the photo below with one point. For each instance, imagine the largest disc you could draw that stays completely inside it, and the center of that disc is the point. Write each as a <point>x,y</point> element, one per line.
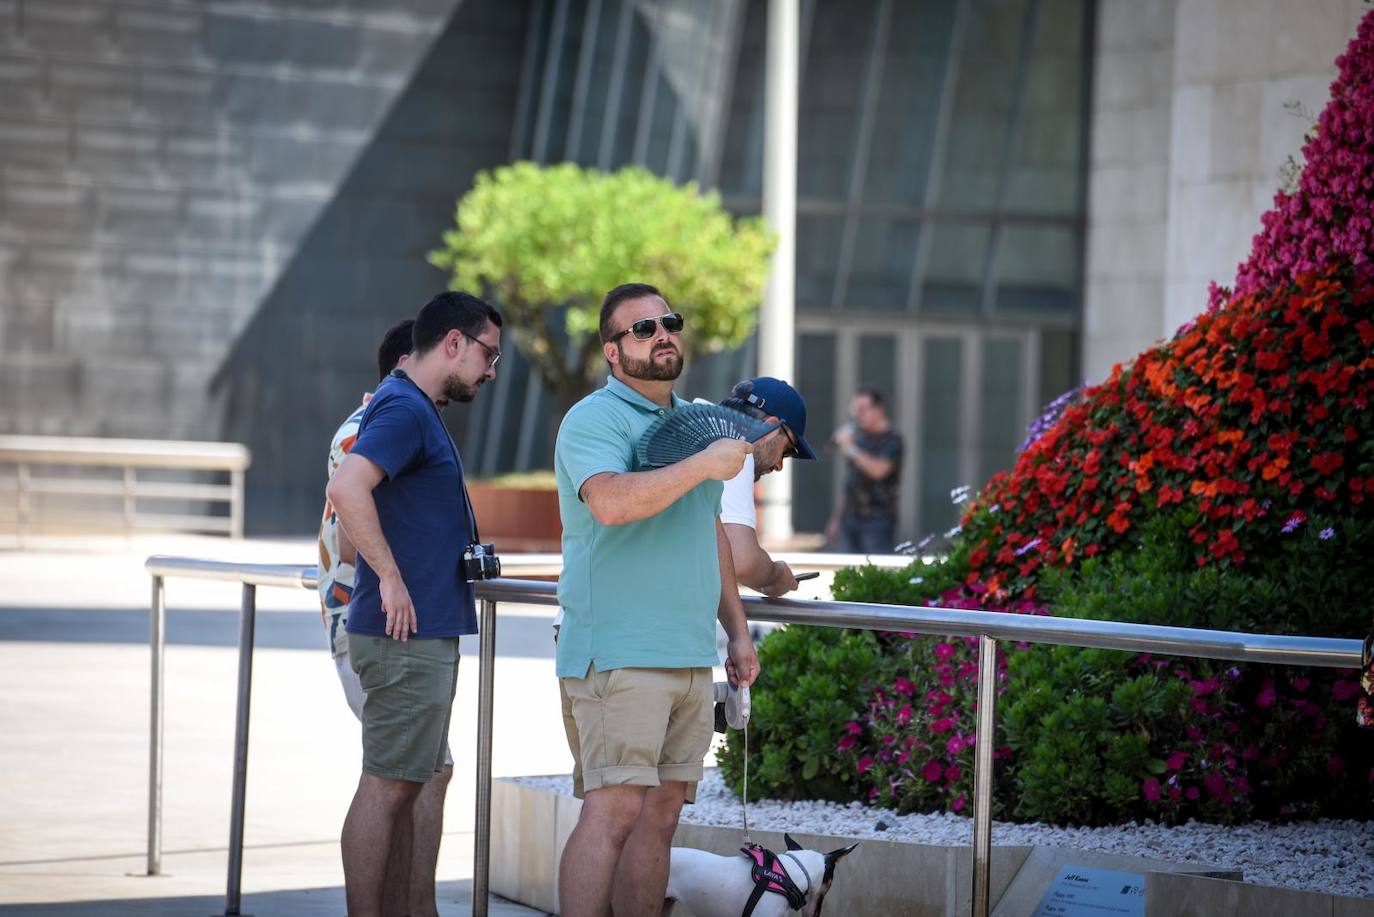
<point>1081,891</point>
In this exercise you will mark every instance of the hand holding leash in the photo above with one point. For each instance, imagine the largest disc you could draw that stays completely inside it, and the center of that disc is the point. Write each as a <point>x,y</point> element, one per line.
<point>741,661</point>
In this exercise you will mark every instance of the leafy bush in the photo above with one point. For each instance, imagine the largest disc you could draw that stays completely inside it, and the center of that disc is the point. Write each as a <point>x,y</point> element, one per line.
<point>810,681</point>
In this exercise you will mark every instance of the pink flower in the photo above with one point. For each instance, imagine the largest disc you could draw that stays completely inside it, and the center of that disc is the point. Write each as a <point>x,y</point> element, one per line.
<point>846,743</point>
<point>932,771</point>
<point>889,740</point>
<point>1176,760</point>
<point>1300,684</point>
<point>1151,789</point>
<point>864,764</point>
<point>943,651</point>
<point>1265,699</point>
<point>1344,690</point>
<point>958,803</point>
<point>904,715</point>
<point>903,686</point>
<point>952,773</point>
<point>1215,783</point>
<point>942,725</point>
<point>954,746</point>
<point>853,728</point>
<point>1192,793</point>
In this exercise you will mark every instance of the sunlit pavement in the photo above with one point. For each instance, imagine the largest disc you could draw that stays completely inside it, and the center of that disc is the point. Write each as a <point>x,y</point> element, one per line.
<point>74,672</point>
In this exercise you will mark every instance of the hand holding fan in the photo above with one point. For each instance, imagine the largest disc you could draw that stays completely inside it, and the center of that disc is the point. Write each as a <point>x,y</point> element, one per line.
<point>684,432</point>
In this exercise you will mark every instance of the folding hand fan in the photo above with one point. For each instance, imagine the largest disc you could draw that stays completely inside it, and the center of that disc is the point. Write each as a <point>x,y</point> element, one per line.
<point>684,432</point>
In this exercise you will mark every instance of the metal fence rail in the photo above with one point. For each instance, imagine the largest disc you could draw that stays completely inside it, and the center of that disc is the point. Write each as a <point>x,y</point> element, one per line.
<point>988,627</point>
<point>128,456</point>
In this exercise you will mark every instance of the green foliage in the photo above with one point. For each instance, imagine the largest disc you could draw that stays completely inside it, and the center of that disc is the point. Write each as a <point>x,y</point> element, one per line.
<point>810,681</point>
<point>547,242</point>
<point>1102,736</point>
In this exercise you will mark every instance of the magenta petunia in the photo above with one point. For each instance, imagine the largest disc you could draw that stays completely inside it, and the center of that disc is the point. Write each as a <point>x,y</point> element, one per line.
<point>1150,788</point>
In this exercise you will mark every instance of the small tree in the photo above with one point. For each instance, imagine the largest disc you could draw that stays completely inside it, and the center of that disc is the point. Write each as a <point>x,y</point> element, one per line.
<point>547,242</point>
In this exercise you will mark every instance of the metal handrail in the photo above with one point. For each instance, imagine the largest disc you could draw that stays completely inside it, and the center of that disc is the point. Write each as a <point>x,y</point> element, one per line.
<point>129,455</point>
<point>987,626</point>
<point>551,564</point>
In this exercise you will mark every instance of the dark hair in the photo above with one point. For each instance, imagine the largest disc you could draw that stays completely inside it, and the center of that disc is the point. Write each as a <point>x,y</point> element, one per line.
<point>395,345</point>
<point>873,395</point>
<point>619,295</point>
<point>449,310</point>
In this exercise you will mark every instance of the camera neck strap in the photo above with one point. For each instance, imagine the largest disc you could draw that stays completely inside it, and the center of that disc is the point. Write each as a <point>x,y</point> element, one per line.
<point>462,478</point>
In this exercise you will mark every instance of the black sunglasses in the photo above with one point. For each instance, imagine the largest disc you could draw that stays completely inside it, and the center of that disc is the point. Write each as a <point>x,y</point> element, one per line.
<point>646,328</point>
<point>793,450</point>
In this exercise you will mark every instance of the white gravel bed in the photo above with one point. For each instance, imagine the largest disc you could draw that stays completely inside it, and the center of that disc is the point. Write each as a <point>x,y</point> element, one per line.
<point>1336,857</point>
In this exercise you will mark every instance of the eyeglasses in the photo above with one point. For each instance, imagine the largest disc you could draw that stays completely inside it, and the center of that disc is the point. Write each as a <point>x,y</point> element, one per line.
<point>646,328</point>
<point>492,355</point>
<point>793,450</point>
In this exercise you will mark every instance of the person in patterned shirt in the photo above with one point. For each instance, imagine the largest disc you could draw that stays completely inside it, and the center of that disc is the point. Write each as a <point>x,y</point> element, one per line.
<point>409,880</point>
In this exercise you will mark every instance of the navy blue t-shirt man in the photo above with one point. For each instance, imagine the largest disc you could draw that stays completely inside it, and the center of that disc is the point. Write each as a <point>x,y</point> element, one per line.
<point>423,512</point>
<point>399,497</point>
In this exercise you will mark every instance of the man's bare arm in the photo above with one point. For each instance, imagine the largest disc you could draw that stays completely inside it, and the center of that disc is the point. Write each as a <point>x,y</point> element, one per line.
<point>350,490</point>
<point>621,498</point>
<point>753,566</point>
<point>741,662</point>
<point>871,466</point>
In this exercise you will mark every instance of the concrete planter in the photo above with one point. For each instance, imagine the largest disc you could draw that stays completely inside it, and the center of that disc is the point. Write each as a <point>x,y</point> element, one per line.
<point>530,825</point>
<point>517,518</point>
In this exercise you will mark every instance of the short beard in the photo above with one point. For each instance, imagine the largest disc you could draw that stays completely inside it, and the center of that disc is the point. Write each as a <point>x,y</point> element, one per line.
<point>649,369</point>
<point>456,389</point>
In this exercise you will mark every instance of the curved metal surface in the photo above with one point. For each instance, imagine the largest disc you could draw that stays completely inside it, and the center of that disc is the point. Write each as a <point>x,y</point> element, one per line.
<point>288,575</point>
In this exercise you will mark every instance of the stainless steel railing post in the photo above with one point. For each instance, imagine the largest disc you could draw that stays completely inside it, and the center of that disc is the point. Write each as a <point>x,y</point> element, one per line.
<point>247,620</point>
<point>481,854</point>
<point>156,643</point>
<point>982,774</point>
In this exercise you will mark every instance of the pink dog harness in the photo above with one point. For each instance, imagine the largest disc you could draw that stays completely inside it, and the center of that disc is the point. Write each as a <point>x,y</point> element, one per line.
<point>769,875</point>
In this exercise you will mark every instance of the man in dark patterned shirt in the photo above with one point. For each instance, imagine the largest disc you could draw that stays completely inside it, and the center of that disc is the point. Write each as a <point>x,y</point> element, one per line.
<point>865,520</point>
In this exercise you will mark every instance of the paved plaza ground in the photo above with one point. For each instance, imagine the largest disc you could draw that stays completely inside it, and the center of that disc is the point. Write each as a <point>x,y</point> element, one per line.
<point>74,673</point>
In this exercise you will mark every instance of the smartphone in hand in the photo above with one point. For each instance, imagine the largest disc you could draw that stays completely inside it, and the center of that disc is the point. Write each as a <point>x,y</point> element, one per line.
<point>801,576</point>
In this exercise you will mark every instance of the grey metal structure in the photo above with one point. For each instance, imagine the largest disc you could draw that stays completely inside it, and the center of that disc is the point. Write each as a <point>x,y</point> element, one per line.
<point>989,627</point>
<point>80,456</point>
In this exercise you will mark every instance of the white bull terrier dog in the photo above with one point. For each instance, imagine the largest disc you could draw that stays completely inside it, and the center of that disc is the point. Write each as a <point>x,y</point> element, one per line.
<point>757,882</point>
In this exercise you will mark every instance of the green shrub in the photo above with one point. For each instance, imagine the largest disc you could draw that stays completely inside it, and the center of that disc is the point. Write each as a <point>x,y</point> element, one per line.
<point>812,678</point>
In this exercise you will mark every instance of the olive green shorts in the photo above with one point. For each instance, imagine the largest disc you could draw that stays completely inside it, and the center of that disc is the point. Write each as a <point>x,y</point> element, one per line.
<point>638,727</point>
<point>410,687</point>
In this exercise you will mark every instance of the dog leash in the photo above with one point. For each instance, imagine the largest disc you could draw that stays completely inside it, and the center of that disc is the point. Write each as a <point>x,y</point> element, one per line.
<point>744,800</point>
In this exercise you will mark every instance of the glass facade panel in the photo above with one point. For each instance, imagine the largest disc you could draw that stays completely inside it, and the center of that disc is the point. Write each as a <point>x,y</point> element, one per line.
<point>878,369</point>
<point>1001,393</point>
<point>812,491</point>
<point>838,40</point>
<point>966,208</point>
<point>880,271</point>
<point>1037,269</point>
<point>955,265</point>
<point>942,362</point>
<point>818,242</point>
<point>907,112</point>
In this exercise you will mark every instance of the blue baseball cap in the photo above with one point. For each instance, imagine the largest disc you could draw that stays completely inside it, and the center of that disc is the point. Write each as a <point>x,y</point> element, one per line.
<point>776,397</point>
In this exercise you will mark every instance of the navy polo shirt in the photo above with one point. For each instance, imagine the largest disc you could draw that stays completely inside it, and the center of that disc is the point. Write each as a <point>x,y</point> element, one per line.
<point>423,512</point>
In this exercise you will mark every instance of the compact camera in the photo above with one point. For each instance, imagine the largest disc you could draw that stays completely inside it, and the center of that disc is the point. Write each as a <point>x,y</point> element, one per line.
<point>480,562</point>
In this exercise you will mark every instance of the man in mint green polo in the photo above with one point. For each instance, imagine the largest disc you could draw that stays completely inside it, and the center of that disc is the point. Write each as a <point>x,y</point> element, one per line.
<point>646,574</point>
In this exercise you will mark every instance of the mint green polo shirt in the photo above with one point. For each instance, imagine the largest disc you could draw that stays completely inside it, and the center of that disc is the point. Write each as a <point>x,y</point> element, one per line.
<point>641,595</point>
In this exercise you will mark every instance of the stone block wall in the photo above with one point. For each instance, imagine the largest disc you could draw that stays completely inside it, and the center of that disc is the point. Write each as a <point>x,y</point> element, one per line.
<point>209,212</point>
<point>1189,133</point>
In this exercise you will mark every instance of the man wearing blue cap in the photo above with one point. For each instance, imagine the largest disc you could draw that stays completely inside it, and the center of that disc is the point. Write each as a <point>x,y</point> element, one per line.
<point>772,401</point>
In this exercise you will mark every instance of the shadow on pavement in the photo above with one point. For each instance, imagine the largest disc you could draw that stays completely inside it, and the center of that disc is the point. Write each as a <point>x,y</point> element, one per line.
<point>454,900</point>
